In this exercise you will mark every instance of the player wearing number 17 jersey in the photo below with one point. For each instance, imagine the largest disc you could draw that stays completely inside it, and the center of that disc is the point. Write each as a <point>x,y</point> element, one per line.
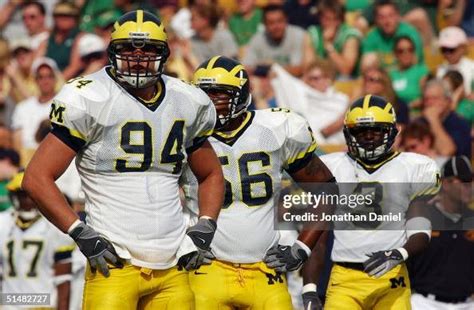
<point>369,270</point>
<point>254,148</point>
<point>131,130</point>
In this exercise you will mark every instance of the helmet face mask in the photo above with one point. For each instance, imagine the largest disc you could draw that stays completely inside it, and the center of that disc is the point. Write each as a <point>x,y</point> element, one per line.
<point>362,146</point>
<point>227,84</point>
<point>24,206</point>
<point>138,49</point>
<point>370,128</point>
<point>226,101</point>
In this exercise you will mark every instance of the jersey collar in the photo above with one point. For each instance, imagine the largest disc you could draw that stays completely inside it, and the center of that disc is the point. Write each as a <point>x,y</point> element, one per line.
<point>231,137</point>
<point>151,104</point>
<point>372,167</point>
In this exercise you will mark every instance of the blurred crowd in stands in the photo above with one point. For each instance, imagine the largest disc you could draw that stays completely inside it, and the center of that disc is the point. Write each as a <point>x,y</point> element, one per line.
<point>312,56</point>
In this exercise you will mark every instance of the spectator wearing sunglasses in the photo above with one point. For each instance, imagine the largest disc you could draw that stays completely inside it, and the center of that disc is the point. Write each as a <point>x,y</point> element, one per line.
<point>453,45</point>
<point>376,81</point>
<point>409,76</point>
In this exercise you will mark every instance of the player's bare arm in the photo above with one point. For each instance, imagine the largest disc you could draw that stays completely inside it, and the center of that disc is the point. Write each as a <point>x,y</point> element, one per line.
<point>62,272</point>
<point>207,169</point>
<point>418,226</point>
<point>284,258</point>
<point>49,162</point>
<point>311,272</point>
<point>418,229</point>
<point>314,172</point>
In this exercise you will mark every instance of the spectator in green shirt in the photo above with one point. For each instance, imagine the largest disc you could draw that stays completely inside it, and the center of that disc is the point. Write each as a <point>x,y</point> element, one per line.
<point>245,22</point>
<point>334,39</point>
<point>409,77</point>
<point>381,39</point>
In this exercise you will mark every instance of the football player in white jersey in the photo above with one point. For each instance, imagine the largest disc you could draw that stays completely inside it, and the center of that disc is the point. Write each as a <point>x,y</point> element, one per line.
<point>369,270</point>
<point>36,255</point>
<point>131,129</point>
<point>254,147</point>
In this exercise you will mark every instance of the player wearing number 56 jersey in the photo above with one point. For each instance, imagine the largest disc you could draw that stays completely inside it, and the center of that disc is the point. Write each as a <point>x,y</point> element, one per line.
<point>131,130</point>
<point>254,148</point>
<point>369,270</point>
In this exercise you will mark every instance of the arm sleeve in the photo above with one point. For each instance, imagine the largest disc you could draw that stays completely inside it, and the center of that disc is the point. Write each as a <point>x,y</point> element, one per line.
<point>299,144</point>
<point>427,180</point>
<point>69,118</point>
<point>203,126</point>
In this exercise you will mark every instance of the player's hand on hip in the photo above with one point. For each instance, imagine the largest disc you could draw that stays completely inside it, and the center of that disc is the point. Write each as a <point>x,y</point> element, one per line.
<point>285,258</point>
<point>95,248</point>
<point>201,235</point>
<point>311,301</point>
<point>195,259</point>
<point>379,263</point>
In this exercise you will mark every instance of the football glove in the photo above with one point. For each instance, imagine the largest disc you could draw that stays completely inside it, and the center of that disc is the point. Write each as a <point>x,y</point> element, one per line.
<point>285,258</point>
<point>201,234</point>
<point>311,301</point>
<point>95,248</point>
<point>379,263</point>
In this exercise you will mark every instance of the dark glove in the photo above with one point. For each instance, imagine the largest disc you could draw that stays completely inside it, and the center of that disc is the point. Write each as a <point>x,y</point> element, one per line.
<point>201,234</point>
<point>379,263</point>
<point>311,301</point>
<point>284,258</point>
<point>95,248</point>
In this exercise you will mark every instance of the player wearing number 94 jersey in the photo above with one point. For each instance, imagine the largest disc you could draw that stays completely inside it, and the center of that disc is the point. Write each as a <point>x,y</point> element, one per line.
<point>254,148</point>
<point>369,270</point>
<point>132,129</point>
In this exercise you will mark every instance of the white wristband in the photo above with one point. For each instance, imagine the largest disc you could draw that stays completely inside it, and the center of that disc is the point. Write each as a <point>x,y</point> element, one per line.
<point>404,253</point>
<point>74,225</point>
<point>304,247</point>
<point>206,217</point>
<point>310,287</point>
<point>58,280</point>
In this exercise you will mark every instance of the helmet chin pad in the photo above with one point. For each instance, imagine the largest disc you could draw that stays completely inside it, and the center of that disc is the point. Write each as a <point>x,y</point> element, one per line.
<point>138,78</point>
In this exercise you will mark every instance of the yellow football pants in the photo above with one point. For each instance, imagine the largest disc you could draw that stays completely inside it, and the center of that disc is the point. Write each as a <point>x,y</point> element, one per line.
<point>353,289</point>
<point>133,287</point>
<point>223,285</point>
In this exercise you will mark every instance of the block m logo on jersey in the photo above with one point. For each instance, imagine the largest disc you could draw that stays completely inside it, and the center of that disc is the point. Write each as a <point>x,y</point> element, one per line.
<point>274,278</point>
<point>400,282</point>
<point>56,114</point>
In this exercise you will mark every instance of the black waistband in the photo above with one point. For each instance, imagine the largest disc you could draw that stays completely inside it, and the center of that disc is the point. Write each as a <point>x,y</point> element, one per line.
<point>451,300</point>
<point>356,266</point>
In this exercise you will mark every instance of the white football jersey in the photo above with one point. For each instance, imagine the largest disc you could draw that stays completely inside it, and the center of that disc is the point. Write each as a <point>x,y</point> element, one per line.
<point>29,255</point>
<point>130,156</point>
<point>253,158</point>
<point>414,175</point>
